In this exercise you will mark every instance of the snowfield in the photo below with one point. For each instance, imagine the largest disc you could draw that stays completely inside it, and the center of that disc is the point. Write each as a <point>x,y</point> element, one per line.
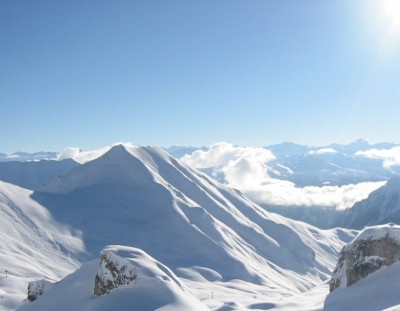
<point>32,245</point>
<point>155,288</point>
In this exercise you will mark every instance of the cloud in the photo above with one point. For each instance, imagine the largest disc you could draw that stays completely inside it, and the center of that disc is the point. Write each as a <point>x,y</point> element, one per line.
<point>279,192</point>
<point>322,151</point>
<point>68,153</point>
<point>390,157</point>
<point>81,156</point>
<point>246,169</point>
<point>221,153</point>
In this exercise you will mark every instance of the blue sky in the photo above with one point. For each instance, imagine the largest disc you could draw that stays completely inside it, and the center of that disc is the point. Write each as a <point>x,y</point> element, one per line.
<point>91,73</point>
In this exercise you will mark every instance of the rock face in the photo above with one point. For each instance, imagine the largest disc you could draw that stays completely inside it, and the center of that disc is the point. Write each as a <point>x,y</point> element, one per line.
<point>372,249</point>
<point>114,272</point>
<point>37,288</point>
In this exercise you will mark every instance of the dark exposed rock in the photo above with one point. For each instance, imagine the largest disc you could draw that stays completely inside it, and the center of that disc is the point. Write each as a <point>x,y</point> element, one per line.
<point>37,288</point>
<point>114,272</point>
<point>374,248</point>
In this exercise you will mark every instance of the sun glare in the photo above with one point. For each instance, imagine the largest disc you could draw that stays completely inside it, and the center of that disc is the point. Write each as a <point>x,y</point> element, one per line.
<point>391,11</point>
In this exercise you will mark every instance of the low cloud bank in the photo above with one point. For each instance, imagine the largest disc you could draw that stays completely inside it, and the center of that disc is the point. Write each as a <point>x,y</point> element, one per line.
<point>390,157</point>
<point>279,192</point>
<point>222,153</point>
<point>323,151</point>
<point>246,169</point>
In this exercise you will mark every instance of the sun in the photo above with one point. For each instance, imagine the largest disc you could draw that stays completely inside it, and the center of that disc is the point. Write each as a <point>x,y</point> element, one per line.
<point>391,11</point>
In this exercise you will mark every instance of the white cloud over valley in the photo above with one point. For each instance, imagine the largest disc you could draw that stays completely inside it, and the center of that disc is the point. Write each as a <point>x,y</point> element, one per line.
<point>390,157</point>
<point>246,169</point>
<point>280,192</point>
<point>222,153</point>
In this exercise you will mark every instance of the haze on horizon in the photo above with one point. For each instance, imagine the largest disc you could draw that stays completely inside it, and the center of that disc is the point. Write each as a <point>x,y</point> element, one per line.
<point>195,73</point>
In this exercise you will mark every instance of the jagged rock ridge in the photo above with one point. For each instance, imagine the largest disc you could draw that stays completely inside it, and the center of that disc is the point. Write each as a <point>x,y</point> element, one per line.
<point>114,272</point>
<point>37,289</point>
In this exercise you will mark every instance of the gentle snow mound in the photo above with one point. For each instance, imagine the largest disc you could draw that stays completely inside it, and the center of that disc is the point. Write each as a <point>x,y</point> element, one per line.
<point>378,232</point>
<point>155,287</point>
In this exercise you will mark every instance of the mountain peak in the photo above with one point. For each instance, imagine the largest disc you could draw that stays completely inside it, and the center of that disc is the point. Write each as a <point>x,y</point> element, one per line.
<point>117,151</point>
<point>119,164</point>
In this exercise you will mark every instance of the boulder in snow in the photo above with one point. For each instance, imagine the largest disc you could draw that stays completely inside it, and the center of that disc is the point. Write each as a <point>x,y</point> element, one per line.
<point>372,249</point>
<point>37,288</point>
<point>114,272</point>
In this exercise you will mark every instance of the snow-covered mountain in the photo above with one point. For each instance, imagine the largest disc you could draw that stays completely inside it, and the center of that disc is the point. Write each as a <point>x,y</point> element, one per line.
<point>382,206</point>
<point>210,235</point>
<point>33,174</point>
<point>145,198</point>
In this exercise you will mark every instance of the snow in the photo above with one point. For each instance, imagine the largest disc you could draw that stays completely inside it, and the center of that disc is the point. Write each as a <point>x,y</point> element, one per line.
<point>380,231</point>
<point>32,246</point>
<point>156,288</point>
<point>33,175</point>
<point>378,291</point>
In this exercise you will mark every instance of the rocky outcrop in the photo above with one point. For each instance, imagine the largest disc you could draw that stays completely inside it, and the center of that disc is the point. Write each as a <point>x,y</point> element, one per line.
<point>37,288</point>
<point>372,249</point>
<point>114,272</point>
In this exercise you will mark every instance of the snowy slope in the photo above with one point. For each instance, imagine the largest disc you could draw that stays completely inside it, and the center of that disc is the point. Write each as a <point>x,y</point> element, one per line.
<point>32,246</point>
<point>378,291</point>
<point>35,174</point>
<point>145,198</point>
<point>154,288</point>
<point>381,206</point>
